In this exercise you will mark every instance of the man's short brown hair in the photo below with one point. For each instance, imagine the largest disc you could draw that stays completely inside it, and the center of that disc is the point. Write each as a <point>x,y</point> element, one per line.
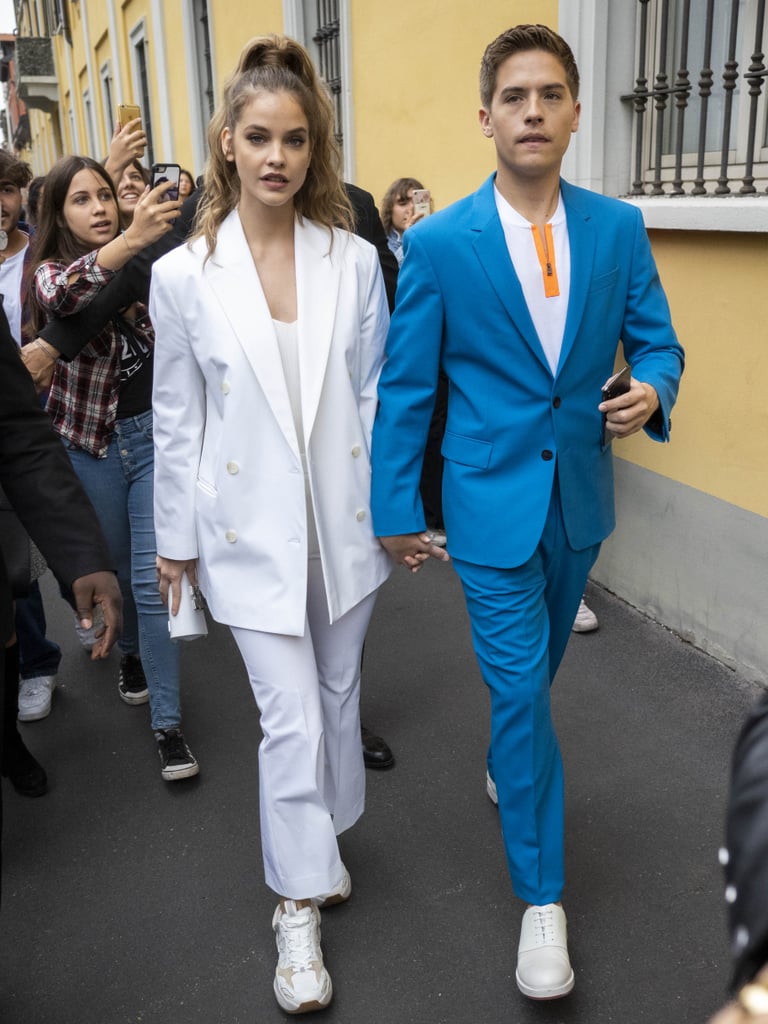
<point>14,170</point>
<point>518,40</point>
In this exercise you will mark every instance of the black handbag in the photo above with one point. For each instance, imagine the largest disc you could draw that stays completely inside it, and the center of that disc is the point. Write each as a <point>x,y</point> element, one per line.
<point>15,549</point>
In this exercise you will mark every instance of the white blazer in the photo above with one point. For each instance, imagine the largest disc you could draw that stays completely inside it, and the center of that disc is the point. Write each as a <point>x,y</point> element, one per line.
<point>229,482</point>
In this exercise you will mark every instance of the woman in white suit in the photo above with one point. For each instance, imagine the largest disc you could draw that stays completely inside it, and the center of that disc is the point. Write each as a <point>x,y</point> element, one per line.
<point>270,329</point>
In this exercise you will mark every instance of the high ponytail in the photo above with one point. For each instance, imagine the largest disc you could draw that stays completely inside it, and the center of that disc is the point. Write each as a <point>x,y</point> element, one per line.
<point>276,64</point>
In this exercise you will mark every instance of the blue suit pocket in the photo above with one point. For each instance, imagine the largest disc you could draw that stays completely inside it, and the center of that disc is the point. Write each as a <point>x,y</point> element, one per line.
<point>604,281</point>
<point>467,451</point>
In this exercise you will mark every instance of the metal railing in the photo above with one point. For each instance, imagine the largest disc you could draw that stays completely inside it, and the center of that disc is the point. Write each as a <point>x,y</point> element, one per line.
<point>329,56</point>
<point>701,129</point>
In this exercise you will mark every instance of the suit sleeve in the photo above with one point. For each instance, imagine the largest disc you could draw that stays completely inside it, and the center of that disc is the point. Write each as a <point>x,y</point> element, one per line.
<point>38,478</point>
<point>178,403</point>
<point>650,343</point>
<point>407,393</point>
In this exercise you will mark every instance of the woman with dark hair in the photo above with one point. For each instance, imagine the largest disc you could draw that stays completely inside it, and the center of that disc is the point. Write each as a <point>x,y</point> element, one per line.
<point>101,406</point>
<point>270,336</point>
<point>186,184</point>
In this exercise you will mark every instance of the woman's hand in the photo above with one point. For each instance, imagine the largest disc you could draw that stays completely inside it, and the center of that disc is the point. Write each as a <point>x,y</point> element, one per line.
<point>153,217</point>
<point>128,143</point>
<point>169,573</point>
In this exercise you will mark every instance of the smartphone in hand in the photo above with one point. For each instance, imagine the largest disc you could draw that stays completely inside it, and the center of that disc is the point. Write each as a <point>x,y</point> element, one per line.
<point>167,172</point>
<point>618,384</point>
<point>421,202</point>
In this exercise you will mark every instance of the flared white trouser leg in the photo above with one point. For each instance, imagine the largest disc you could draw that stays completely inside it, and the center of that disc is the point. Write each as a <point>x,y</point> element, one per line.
<point>311,772</point>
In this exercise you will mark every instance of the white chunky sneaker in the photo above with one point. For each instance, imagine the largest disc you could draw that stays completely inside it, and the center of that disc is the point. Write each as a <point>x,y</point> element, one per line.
<point>586,620</point>
<point>543,968</point>
<point>339,894</point>
<point>35,698</point>
<point>302,983</point>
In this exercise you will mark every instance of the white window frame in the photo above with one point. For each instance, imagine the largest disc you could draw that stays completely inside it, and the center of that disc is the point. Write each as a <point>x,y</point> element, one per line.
<point>106,81</point>
<point>300,22</point>
<point>603,37</point>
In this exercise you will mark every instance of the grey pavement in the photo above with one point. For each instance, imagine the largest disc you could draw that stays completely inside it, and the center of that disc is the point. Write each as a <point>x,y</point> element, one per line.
<point>127,899</point>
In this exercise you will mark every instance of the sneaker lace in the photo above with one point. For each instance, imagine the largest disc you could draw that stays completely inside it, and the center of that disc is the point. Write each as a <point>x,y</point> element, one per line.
<point>543,923</point>
<point>175,747</point>
<point>298,945</point>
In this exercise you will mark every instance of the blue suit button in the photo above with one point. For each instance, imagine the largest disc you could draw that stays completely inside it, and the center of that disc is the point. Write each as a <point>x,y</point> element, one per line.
<point>556,402</point>
<point>547,455</point>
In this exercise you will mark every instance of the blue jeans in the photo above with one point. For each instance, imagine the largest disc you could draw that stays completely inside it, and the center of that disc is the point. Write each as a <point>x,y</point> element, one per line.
<point>121,489</point>
<point>38,656</point>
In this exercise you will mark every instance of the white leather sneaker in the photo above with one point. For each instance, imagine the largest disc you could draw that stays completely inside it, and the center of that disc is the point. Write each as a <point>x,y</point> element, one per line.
<point>543,968</point>
<point>301,983</point>
<point>586,620</point>
<point>490,789</point>
<point>35,698</point>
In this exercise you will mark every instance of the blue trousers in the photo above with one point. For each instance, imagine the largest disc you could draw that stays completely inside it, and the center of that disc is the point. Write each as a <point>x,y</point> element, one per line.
<point>38,655</point>
<point>521,620</point>
<point>121,489</point>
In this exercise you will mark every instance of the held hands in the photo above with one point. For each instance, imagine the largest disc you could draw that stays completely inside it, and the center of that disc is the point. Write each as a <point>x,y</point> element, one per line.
<point>169,573</point>
<point>630,412</point>
<point>413,549</point>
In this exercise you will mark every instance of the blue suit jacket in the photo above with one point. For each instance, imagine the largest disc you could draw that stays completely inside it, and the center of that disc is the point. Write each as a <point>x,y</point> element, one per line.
<point>510,422</point>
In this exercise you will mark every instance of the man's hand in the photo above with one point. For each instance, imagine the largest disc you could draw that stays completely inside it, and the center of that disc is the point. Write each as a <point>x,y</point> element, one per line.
<point>40,359</point>
<point>630,412</point>
<point>413,549</point>
<point>100,588</point>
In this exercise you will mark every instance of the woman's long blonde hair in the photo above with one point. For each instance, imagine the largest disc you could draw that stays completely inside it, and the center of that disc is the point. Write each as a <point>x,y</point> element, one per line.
<point>275,64</point>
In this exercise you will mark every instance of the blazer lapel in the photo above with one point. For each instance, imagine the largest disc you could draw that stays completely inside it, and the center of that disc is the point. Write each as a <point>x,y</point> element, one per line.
<point>490,246</point>
<point>582,239</point>
<point>318,276</point>
<point>236,286</point>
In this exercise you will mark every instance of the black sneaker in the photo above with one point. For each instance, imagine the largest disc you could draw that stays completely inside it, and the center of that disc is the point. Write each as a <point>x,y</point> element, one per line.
<point>132,684</point>
<point>176,759</point>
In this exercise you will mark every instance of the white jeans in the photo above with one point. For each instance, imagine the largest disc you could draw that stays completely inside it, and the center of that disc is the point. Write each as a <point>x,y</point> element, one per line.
<point>311,772</point>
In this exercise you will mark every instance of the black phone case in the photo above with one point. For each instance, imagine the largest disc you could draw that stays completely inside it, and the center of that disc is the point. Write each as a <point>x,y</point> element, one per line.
<point>616,385</point>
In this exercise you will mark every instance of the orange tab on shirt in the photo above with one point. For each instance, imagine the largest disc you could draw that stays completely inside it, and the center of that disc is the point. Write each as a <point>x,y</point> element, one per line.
<point>546,259</point>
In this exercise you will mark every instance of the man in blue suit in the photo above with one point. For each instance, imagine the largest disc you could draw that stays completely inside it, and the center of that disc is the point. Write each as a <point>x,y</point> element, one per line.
<point>521,292</point>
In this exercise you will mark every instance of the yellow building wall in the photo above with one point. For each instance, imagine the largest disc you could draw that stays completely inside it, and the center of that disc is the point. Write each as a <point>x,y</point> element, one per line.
<point>415,91</point>
<point>716,284</point>
<point>233,24</point>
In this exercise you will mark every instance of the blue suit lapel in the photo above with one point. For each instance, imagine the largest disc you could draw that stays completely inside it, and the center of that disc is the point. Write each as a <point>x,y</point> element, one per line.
<point>582,237</point>
<point>490,246</point>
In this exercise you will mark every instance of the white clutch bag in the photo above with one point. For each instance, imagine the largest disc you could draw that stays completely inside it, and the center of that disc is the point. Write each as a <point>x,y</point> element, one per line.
<point>189,622</point>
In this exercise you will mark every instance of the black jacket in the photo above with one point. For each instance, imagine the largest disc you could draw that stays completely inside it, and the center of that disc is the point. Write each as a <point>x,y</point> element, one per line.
<point>746,870</point>
<point>39,480</point>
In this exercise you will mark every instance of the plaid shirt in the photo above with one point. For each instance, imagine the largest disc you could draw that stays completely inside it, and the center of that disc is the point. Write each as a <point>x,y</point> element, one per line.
<point>84,392</point>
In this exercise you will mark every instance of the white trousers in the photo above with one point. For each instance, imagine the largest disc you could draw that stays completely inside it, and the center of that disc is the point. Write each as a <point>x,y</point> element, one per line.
<point>311,772</point>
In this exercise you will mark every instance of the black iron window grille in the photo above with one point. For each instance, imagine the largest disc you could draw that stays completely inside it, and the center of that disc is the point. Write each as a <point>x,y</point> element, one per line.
<point>700,98</point>
<point>327,41</point>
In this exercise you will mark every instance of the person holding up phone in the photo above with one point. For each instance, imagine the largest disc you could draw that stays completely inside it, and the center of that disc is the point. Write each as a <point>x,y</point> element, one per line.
<point>398,211</point>
<point>100,402</point>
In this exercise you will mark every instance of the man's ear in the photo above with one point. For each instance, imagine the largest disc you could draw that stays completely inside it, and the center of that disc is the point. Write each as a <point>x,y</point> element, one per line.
<point>485,122</point>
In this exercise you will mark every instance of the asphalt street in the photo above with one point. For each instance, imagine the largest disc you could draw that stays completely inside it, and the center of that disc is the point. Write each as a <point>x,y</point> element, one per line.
<point>127,899</point>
